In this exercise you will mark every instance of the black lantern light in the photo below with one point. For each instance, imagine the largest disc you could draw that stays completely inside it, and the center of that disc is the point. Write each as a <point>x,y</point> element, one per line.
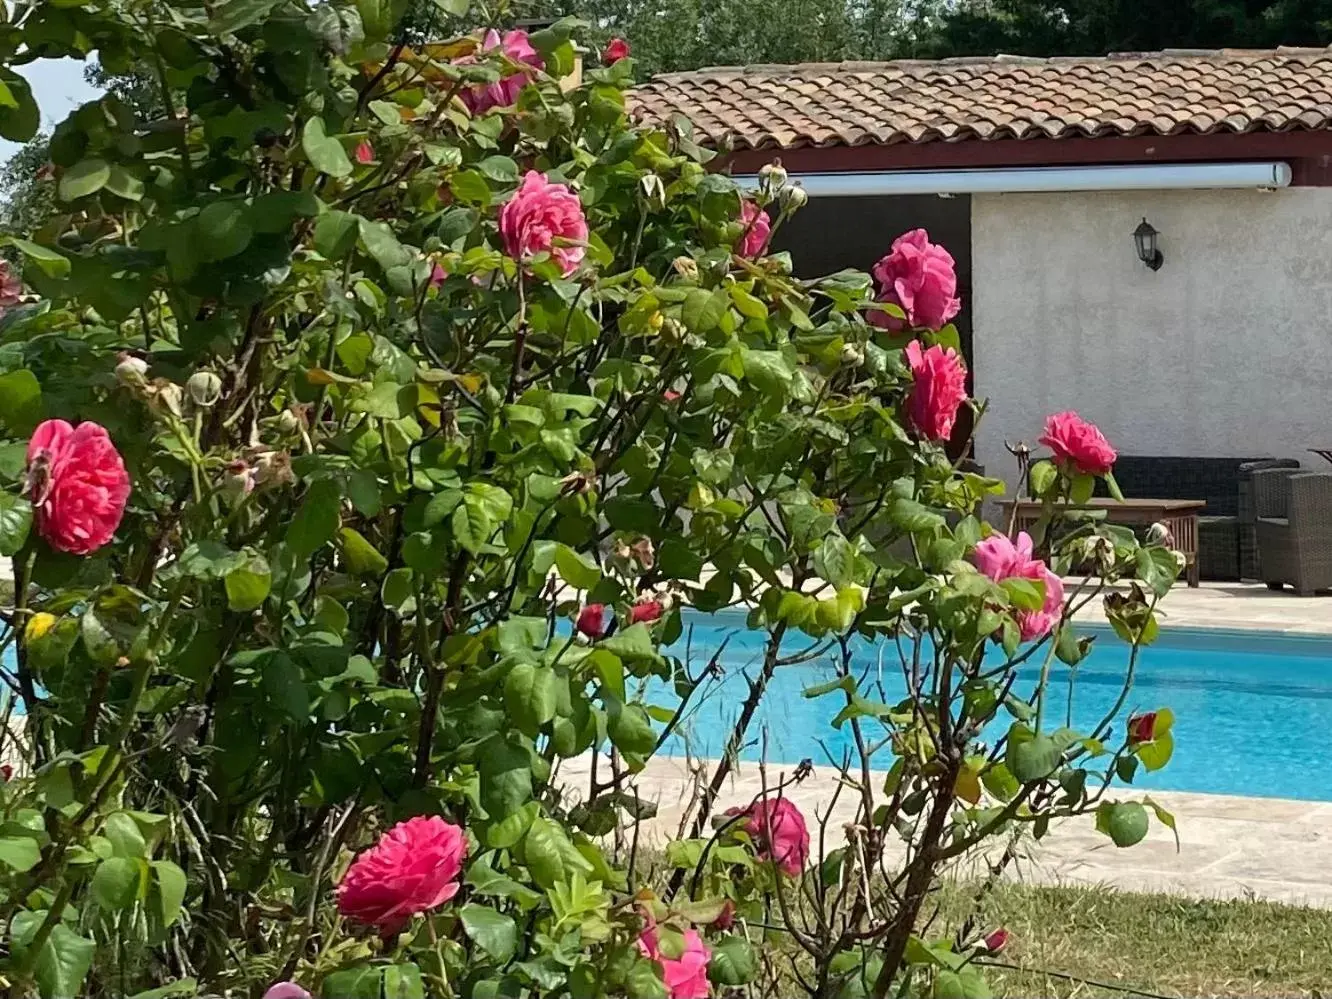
<point>1144,237</point>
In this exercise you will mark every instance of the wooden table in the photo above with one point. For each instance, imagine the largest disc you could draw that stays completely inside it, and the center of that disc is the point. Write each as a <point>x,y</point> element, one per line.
<point>1180,518</point>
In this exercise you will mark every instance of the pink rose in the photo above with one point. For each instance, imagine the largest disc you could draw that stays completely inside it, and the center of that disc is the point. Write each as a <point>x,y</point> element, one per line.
<point>999,558</point>
<point>437,274</point>
<point>685,977</point>
<point>365,153</point>
<point>646,610</point>
<point>592,621</point>
<point>1078,444</point>
<point>11,287</point>
<point>286,990</point>
<point>996,941</point>
<point>616,49</point>
<point>938,388</point>
<point>538,214</point>
<point>921,278</point>
<point>78,484</point>
<point>413,868</point>
<point>778,831</point>
<point>670,395</point>
<point>517,49</point>
<point>1142,728</point>
<point>757,229</point>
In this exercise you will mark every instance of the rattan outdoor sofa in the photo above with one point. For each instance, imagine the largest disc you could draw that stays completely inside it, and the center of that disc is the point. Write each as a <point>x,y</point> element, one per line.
<point>1294,514</point>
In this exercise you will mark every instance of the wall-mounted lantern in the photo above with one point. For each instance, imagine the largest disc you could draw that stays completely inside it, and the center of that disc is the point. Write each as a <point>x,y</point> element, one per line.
<point>1144,238</point>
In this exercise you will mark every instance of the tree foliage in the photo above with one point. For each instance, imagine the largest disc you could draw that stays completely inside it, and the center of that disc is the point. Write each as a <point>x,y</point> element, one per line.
<point>403,389</point>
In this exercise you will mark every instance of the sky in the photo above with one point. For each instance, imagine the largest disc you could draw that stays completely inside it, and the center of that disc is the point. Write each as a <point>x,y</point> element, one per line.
<point>59,88</point>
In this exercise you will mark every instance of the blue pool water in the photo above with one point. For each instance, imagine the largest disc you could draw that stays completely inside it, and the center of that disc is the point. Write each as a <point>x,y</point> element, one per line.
<point>1251,708</point>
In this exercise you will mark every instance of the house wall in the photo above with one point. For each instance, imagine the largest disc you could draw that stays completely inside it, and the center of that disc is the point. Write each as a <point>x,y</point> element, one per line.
<point>1225,351</point>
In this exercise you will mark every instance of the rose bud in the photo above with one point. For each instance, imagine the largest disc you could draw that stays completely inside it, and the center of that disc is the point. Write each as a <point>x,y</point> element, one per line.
<point>7,772</point>
<point>793,198</point>
<point>726,918</point>
<point>686,267</point>
<point>996,941</point>
<point>205,388</point>
<point>592,621</point>
<point>238,480</point>
<point>670,395</point>
<point>365,153</point>
<point>646,611</point>
<point>616,49</point>
<point>130,370</point>
<point>772,178</point>
<point>1142,728</point>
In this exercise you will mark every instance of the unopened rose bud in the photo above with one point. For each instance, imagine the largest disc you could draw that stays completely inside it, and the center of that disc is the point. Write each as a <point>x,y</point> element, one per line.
<point>686,267</point>
<point>996,941</point>
<point>238,480</point>
<point>1142,728</point>
<point>853,354</point>
<point>793,198</point>
<point>131,370</point>
<point>772,178</point>
<point>646,610</point>
<point>592,621</point>
<point>1158,534</point>
<point>577,483</point>
<point>205,388</point>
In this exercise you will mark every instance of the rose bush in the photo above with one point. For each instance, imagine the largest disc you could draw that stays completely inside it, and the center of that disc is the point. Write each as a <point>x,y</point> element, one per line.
<point>377,422</point>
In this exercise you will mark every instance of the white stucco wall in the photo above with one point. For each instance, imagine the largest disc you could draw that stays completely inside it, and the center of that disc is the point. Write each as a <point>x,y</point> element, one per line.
<point>1226,351</point>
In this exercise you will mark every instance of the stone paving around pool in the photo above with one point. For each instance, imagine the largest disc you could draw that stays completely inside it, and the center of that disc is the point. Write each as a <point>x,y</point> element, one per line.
<point>1230,846</point>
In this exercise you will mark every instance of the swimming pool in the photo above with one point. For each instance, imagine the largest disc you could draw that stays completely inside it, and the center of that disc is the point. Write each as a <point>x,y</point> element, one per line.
<point>1251,708</point>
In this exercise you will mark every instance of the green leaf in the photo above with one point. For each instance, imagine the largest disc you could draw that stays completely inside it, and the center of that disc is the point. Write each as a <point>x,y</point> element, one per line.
<point>475,520</point>
<point>183,987</point>
<point>169,890</point>
<point>1043,476</point>
<point>354,983</point>
<point>83,179</point>
<point>316,521</point>
<point>529,696</point>
<point>335,234</point>
<point>964,983</point>
<point>732,962</point>
<point>20,401</point>
<point>285,687</point>
<point>339,28</point>
<point>124,184</point>
<point>248,586</point>
<point>579,571</point>
<point>223,229</point>
<point>397,590</point>
<point>19,117</point>
<point>125,836</point>
<point>632,643</point>
<point>768,371</point>
<point>501,169</point>
<point>19,853</point>
<point>1164,817</point>
<point>1156,754</point>
<point>115,885</point>
<point>362,558</point>
<point>1125,822</point>
<point>548,853</point>
<point>506,776</point>
<point>15,522</point>
<point>51,263</point>
<point>381,243</point>
<point>702,310</point>
<point>63,961</point>
<point>1000,782</point>
<point>232,16</point>
<point>493,932</point>
<point>631,730</point>
<point>1031,758</point>
<point>470,187</point>
<point>324,152</point>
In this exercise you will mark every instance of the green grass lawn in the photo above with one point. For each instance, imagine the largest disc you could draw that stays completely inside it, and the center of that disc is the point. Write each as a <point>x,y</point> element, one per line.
<point>1155,944</point>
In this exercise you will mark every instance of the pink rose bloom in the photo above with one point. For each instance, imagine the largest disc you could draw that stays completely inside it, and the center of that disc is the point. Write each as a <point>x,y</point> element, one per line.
<point>537,215</point>
<point>78,483</point>
<point>646,610</point>
<point>503,93</point>
<point>413,868</point>
<point>999,558</point>
<point>616,49</point>
<point>778,831</point>
<point>1078,444</point>
<point>757,229</point>
<point>685,977</point>
<point>365,153</point>
<point>437,274</point>
<point>286,990</point>
<point>11,287</point>
<point>921,277</point>
<point>592,621</point>
<point>938,388</point>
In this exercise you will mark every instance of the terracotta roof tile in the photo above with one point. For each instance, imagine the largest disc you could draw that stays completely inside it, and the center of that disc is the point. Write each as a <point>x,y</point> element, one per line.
<point>856,103</point>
